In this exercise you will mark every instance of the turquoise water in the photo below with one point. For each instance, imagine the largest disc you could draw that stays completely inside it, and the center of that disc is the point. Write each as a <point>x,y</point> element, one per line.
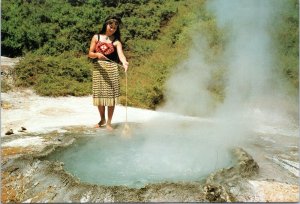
<point>150,155</point>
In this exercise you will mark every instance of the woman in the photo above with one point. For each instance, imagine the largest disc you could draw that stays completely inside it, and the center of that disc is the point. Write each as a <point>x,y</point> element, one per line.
<point>106,50</point>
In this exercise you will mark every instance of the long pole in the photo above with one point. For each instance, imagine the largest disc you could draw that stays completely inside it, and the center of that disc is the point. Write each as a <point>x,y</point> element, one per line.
<point>126,94</point>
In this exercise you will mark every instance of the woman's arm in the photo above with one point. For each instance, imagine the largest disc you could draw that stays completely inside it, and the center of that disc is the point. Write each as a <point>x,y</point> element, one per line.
<point>121,55</point>
<point>92,54</point>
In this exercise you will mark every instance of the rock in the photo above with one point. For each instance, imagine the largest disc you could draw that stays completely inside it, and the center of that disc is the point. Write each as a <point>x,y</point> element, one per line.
<point>8,73</point>
<point>6,105</point>
<point>9,132</point>
<point>272,191</point>
<point>7,61</point>
<point>216,193</point>
<point>23,129</point>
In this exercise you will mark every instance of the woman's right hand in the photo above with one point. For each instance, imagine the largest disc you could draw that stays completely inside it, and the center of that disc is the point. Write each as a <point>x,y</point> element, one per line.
<point>101,56</point>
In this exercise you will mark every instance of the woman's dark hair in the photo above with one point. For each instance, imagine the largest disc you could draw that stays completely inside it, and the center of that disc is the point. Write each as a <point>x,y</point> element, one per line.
<point>117,34</point>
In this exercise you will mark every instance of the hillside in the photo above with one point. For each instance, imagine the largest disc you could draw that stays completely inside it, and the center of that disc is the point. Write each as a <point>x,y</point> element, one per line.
<point>53,38</point>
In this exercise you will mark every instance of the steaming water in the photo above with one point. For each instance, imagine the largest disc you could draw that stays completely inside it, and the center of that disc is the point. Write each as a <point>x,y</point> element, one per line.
<point>190,148</point>
<point>181,150</point>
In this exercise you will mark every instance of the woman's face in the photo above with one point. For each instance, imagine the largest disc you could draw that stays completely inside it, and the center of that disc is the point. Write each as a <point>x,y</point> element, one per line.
<point>111,27</point>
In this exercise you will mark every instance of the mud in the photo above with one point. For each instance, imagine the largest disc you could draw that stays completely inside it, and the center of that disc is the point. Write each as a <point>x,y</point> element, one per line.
<point>27,176</point>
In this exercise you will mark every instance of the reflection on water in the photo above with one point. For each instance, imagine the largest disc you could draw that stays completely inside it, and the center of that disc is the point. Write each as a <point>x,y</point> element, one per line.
<point>176,151</point>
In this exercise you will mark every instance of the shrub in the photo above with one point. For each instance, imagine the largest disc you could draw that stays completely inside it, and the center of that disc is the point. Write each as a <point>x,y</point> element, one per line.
<point>67,74</point>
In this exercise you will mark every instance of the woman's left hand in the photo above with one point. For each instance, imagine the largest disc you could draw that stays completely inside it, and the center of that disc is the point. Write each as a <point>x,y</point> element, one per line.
<point>125,65</point>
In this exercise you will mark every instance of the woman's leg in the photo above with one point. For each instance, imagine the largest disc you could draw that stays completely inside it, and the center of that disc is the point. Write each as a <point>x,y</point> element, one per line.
<point>109,117</point>
<point>102,115</point>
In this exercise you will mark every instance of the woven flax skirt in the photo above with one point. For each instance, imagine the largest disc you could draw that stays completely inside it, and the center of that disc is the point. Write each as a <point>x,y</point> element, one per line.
<point>106,84</point>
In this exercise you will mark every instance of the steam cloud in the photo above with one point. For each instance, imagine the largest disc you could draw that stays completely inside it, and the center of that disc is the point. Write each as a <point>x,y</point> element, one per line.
<point>250,78</point>
<point>249,51</point>
<point>187,88</point>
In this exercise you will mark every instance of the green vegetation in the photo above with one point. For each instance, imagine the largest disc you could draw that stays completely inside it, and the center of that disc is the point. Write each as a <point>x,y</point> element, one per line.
<point>53,37</point>
<point>146,81</point>
<point>66,74</point>
<point>287,43</point>
<point>53,26</point>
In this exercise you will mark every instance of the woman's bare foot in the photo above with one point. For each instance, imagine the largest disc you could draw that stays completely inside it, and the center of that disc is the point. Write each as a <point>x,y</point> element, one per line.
<point>100,124</point>
<point>109,127</point>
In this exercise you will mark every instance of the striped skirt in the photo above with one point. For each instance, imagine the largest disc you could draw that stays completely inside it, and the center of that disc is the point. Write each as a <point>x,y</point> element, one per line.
<point>106,84</point>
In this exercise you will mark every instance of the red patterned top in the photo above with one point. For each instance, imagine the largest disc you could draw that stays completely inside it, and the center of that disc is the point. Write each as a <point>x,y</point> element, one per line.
<point>105,48</point>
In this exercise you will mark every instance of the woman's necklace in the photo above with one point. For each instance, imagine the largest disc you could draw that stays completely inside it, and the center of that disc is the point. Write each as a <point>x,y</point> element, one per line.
<point>106,37</point>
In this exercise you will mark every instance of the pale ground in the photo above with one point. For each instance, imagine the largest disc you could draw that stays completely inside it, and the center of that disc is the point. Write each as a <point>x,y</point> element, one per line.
<point>45,114</point>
